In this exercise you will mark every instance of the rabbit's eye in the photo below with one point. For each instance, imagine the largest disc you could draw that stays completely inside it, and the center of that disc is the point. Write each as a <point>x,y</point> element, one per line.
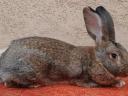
<point>113,56</point>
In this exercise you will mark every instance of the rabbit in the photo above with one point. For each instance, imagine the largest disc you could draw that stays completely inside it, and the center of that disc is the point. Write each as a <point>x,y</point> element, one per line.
<point>41,61</point>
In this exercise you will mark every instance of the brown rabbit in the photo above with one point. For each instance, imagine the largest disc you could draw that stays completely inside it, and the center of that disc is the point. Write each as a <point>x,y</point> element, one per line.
<point>33,61</point>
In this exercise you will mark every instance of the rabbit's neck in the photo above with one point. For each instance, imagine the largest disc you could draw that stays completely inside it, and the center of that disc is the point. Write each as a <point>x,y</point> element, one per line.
<point>87,55</point>
<point>88,51</point>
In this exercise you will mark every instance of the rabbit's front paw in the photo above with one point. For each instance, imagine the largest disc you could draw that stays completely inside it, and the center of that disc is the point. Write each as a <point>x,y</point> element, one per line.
<point>34,86</point>
<point>120,83</point>
<point>82,83</point>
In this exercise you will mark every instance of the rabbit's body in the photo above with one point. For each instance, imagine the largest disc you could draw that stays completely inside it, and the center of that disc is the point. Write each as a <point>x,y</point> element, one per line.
<point>42,60</point>
<point>33,61</point>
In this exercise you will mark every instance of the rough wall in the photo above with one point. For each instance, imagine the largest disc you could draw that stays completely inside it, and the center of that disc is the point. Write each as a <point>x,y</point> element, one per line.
<point>61,19</point>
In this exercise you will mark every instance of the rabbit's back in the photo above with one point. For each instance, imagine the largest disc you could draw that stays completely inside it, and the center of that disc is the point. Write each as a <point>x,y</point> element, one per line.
<point>41,42</point>
<point>50,49</point>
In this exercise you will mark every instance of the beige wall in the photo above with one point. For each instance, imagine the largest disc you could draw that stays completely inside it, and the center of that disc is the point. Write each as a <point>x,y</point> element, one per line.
<point>61,19</point>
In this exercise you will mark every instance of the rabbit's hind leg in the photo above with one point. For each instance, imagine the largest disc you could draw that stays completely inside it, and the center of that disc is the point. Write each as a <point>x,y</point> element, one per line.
<point>10,81</point>
<point>20,84</point>
<point>16,85</point>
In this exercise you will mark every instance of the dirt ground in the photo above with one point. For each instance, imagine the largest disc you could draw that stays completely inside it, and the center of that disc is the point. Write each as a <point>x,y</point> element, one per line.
<point>60,19</point>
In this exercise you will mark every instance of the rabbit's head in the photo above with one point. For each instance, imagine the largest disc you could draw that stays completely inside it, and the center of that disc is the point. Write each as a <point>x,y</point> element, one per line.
<point>111,54</point>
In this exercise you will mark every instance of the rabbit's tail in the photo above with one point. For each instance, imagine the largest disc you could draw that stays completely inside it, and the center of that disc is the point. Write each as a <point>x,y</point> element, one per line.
<point>1,51</point>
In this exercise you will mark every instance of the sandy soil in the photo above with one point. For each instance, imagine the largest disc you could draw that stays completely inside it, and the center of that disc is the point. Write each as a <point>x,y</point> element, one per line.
<point>60,19</point>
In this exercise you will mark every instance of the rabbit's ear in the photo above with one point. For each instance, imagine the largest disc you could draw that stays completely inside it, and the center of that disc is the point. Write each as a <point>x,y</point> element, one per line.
<point>108,25</point>
<point>93,24</point>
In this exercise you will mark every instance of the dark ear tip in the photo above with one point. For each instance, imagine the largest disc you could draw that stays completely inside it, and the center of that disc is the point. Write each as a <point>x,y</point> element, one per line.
<point>101,8</point>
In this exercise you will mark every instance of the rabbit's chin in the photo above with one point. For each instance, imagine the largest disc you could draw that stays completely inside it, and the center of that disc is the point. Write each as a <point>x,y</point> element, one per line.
<point>124,75</point>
